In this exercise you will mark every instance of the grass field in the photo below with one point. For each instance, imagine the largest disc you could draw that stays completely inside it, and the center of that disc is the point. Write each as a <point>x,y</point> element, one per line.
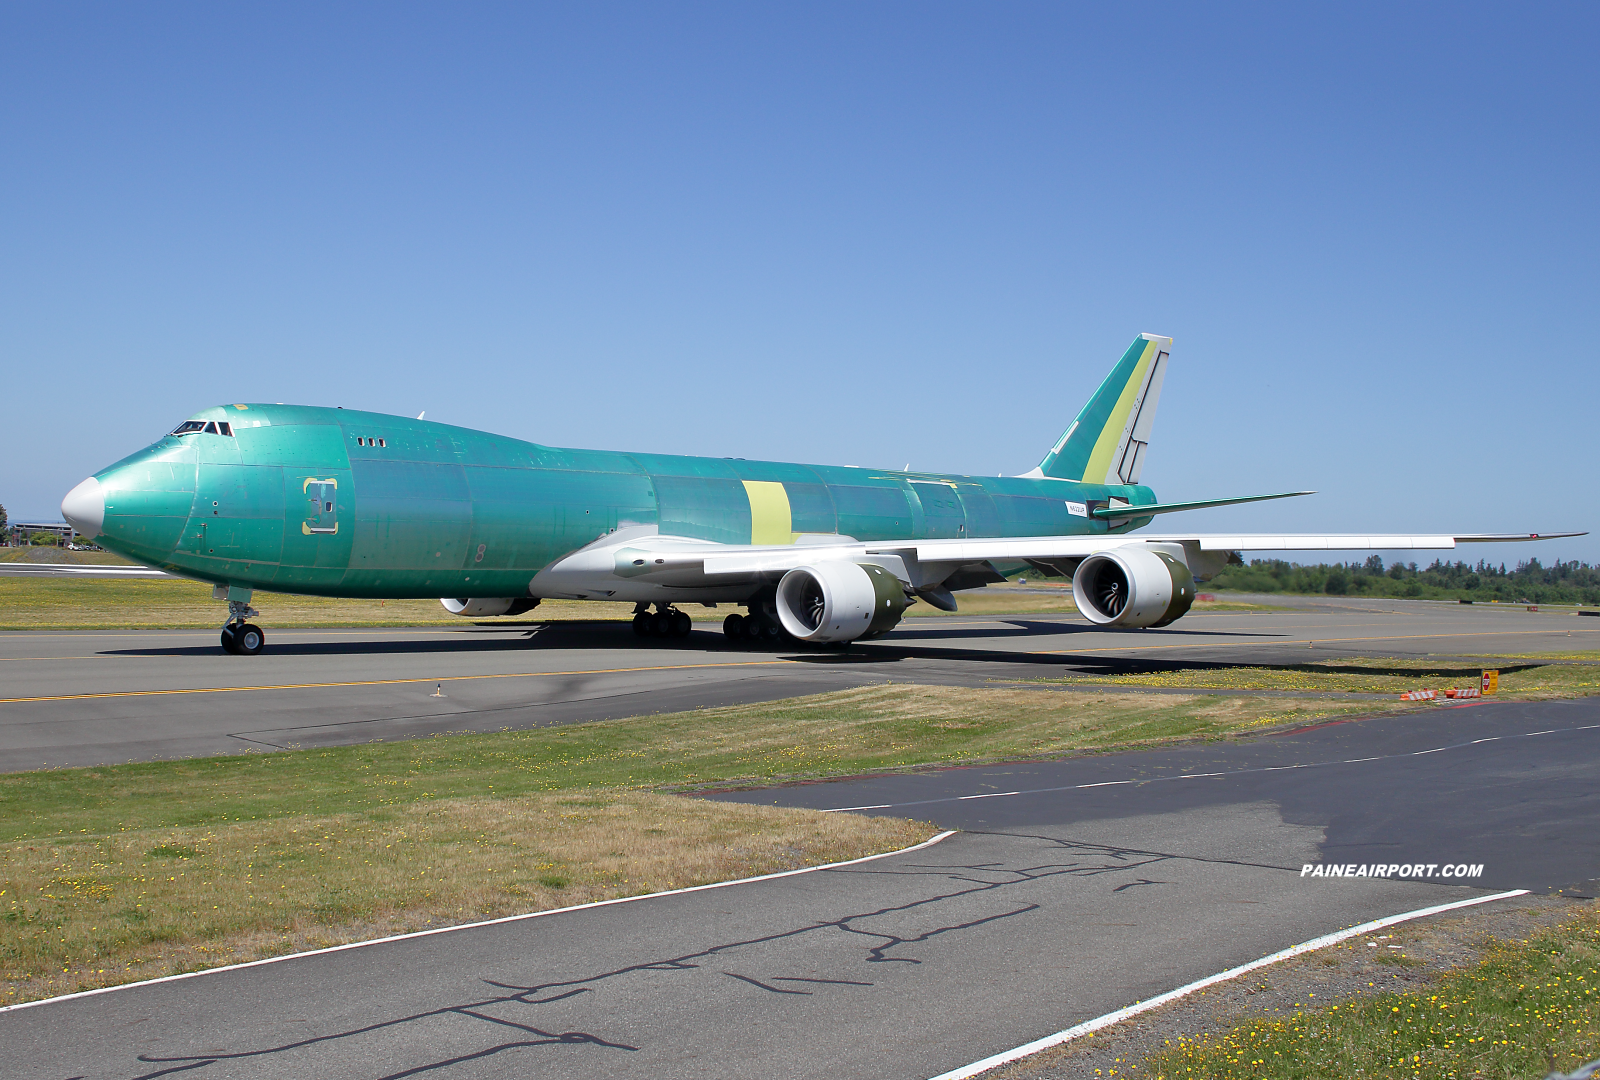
<point>1529,1006</point>
<point>126,872</point>
<point>61,556</point>
<point>65,603</point>
<point>62,603</point>
<point>1367,675</point>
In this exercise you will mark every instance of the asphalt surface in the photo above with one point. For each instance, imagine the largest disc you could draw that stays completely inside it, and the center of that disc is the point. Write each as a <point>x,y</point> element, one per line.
<point>1078,886</point>
<point>900,968</point>
<point>1060,903</point>
<point>71,698</point>
<point>22,569</point>
<point>1505,784</point>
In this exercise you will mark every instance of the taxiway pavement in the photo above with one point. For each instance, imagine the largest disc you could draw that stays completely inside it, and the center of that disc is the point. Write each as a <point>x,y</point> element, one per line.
<point>77,698</point>
<point>1057,906</point>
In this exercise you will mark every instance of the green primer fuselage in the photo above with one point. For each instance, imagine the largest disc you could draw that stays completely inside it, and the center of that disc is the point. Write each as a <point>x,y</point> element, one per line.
<point>307,500</point>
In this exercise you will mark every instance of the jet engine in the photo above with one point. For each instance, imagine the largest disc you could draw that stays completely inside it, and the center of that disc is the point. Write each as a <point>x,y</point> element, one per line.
<point>840,601</point>
<point>483,607</point>
<point>1132,586</point>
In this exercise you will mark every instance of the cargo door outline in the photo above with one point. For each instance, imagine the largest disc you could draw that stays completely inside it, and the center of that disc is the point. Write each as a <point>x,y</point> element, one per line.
<point>322,500</point>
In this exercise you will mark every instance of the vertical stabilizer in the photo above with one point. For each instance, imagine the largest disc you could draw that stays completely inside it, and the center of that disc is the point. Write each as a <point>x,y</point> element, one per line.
<point>1106,444</point>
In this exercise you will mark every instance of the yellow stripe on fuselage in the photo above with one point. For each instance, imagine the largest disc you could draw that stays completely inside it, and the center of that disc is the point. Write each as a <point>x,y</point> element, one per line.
<point>770,520</point>
<point>1110,435</point>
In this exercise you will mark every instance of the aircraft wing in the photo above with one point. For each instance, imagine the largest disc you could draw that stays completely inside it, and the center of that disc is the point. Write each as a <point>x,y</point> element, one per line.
<point>685,563</point>
<point>1048,547</point>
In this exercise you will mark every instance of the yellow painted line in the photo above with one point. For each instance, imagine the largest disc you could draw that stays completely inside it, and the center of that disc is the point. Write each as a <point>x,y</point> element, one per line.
<point>1303,641</point>
<point>385,682</point>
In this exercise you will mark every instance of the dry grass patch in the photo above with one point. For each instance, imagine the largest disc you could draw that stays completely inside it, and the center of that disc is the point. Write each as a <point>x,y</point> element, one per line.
<point>64,603</point>
<point>81,912</point>
<point>1525,682</point>
<point>124,872</point>
<point>898,726</point>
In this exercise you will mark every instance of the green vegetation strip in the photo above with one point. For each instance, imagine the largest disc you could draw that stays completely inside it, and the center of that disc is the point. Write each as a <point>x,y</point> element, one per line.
<point>1529,583</point>
<point>120,873</point>
<point>65,603</point>
<point>1526,1006</point>
<point>1523,682</point>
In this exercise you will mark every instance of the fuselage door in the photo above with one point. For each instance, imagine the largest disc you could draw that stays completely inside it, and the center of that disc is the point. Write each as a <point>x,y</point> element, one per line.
<point>322,502</point>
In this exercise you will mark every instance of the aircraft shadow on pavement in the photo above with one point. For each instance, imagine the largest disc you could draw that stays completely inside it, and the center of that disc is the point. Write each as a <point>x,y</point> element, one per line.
<point>507,1020</point>
<point>609,635</point>
<point>1034,627</point>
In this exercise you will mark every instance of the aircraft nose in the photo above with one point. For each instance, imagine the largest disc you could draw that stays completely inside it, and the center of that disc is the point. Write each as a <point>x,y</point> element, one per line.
<point>85,508</point>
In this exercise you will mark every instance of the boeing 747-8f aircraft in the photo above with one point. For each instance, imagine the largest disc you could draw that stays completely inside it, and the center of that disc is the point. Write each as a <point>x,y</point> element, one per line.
<point>332,502</point>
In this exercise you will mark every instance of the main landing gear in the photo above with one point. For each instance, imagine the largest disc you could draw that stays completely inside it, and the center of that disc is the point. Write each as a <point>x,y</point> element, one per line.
<point>665,621</point>
<point>240,636</point>
<point>756,628</point>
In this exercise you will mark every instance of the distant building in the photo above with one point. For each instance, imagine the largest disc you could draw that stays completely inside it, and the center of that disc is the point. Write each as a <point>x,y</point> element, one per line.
<point>24,530</point>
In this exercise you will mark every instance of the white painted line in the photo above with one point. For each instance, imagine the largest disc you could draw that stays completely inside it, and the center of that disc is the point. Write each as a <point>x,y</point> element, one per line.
<point>1156,1002</point>
<point>474,925</point>
<point>1194,776</point>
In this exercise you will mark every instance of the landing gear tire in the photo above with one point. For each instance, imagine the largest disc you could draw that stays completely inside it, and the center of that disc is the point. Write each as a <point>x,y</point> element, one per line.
<point>682,625</point>
<point>641,624</point>
<point>248,640</point>
<point>661,624</point>
<point>229,645</point>
<point>752,628</point>
<point>733,627</point>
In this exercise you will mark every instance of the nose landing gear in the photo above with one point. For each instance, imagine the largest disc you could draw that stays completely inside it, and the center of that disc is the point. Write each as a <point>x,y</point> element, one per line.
<point>240,636</point>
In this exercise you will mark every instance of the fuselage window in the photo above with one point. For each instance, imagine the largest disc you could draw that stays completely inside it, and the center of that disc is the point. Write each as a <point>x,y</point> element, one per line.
<point>189,427</point>
<point>382,443</point>
<point>211,428</point>
<point>225,428</point>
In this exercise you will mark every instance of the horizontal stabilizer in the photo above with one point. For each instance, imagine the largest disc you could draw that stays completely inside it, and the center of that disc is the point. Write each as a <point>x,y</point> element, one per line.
<point>1125,511</point>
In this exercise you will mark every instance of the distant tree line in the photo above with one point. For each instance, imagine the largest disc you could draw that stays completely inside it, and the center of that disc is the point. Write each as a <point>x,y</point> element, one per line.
<point>1530,583</point>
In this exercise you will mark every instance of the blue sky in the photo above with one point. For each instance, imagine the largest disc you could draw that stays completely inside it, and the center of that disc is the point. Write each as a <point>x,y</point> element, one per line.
<point>869,234</point>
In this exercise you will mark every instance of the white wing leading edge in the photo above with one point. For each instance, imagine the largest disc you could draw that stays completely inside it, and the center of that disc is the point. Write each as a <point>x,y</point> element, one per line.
<point>684,563</point>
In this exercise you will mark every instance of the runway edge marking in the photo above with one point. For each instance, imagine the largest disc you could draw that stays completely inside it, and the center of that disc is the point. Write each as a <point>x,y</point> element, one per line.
<point>1007,1056</point>
<point>946,834</point>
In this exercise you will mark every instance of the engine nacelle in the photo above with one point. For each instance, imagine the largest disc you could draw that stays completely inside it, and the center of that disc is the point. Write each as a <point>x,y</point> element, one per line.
<point>1132,586</point>
<point>840,601</point>
<point>485,606</point>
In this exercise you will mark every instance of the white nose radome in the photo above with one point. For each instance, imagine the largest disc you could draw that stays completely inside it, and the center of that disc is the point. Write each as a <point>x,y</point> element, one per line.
<point>85,508</point>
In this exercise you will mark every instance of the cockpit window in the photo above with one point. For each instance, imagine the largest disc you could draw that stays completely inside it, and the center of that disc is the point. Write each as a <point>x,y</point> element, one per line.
<point>210,427</point>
